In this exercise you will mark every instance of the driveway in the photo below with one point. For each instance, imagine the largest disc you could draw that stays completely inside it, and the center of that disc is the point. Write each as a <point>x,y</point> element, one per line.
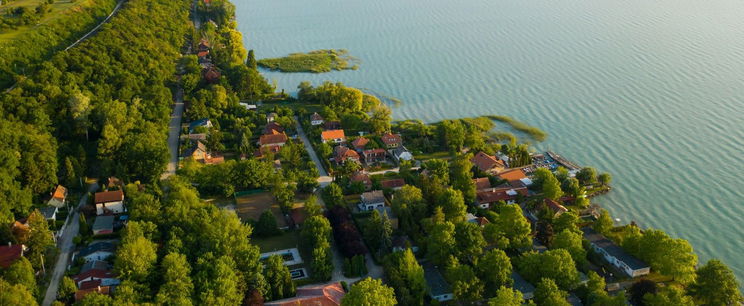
<point>174,131</point>
<point>65,249</point>
<point>324,179</point>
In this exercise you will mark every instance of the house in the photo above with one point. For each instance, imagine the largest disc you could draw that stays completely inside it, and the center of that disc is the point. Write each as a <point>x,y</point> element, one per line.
<point>262,151</point>
<point>487,198</point>
<point>438,287</point>
<point>332,125</point>
<point>97,251</point>
<point>193,138</point>
<point>482,183</point>
<point>360,143</point>
<point>95,264</point>
<point>298,216</point>
<point>271,117</point>
<point>103,225</point>
<point>113,182</point>
<point>487,163</point>
<point>391,141</point>
<point>341,154</point>
<point>197,152</point>
<point>203,45</point>
<point>516,178</point>
<point>273,128</point>
<point>214,159</point>
<point>401,243</point>
<point>10,253</point>
<point>212,75</point>
<point>111,201</point>
<point>374,156</point>
<point>372,200</point>
<point>316,119</point>
<point>107,277</point>
<point>555,207</point>
<point>80,294</point>
<point>386,210</point>
<point>518,283</point>
<point>49,212</point>
<point>394,184</point>
<point>59,196</point>
<point>615,255</point>
<point>314,295</point>
<point>274,139</point>
<point>360,176</point>
<point>333,136</point>
<point>480,221</point>
<point>400,153</point>
<point>206,123</point>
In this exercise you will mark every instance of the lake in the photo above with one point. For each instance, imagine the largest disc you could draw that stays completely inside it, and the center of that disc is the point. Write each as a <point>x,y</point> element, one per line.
<point>650,91</point>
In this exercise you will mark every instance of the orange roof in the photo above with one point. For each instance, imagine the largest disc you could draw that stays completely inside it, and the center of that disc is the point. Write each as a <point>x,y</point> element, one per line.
<point>360,142</point>
<point>512,175</point>
<point>482,183</point>
<point>342,153</point>
<point>270,139</point>
<point>109,196</point>
<point>486,162</point>
<point>80,294</point>
<point>332,134</point>
<point>314,295</point>
<point>273,128</point>
<point>393,183</point>
<point>202,53</point>
<point>60,193</point>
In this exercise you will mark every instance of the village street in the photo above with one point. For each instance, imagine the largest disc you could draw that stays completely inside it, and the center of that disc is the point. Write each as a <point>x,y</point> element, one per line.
<point>174,130</point>
<point>324,179</point>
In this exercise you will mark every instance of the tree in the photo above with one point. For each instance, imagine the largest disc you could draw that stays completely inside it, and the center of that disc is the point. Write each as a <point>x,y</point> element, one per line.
<point>462,177</point>
<point>667,296</point>
<point>566,221</point>
<point>315,230</point>
<point>17,294</point>
<point>555,264</point>
<point>453,205</point>
<point>67,288</point>
<point>549,185</point>
<point>669,256</point>
<point>266,225</point>
<point>406,276</point>
<point>465,284</point>
<point>715,285</point>
<point>135,259</point>
<point>380,120</point>
<point>95,299</point>
<point>177,287</point>
<point>322,263</point>
<point>21,273</point>
<point>278,277</point>
<point>545,233</point>
<point>378,232</point>
<point>594,288</point>
<point>369,292</point>
<point>495,269</point>
<point>506,296</point>
<point>408,204</point>
<point>640,289</point>
<point>571,187</point>
<point>438,168</point>
<point>587,176</point>
<point>39,238</point>
<point>440,242</point>
<point>453,134</point>
<point>572,242</point>
<point>251,61</point>
<point>80,108</point>
<point>333,195</point>
<point>284,194</point>
<point>608,300</point>
<point>469,241</point>
<point>604,179</point>
<point>604,224</point>
<point>217,281</point>
<point>548,294</point>
<point>312,208</point>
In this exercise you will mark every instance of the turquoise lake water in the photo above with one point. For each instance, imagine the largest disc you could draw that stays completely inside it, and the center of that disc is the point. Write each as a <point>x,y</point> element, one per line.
<point>650,91</point>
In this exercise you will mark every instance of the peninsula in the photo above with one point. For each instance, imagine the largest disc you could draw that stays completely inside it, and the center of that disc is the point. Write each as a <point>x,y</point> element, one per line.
<point>317,61</point>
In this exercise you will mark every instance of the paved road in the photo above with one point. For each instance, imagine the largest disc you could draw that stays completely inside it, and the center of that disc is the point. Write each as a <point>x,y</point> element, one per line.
<point>174,131</point>
<point>65,248</point>
<point>324,179</point>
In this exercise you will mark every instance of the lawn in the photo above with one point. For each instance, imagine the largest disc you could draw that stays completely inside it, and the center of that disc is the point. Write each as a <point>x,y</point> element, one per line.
<point>287,240</point>
<point>440,155</point>
<point>56,10</point>
<point>253,205</point>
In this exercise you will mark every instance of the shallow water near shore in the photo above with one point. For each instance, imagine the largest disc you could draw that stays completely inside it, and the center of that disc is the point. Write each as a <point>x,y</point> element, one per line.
<point>650,91</point>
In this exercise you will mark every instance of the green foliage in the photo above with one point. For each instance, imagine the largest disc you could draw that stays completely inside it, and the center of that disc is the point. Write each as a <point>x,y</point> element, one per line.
<point>217,281</point>
<point>278,277</point>
<point>464,282</point>
<point>572,242</point>
<point>15,294</point>
<point>378,232</point>
<point>333,195</point>
<point>314,61</point>
<point>506,296</point>
<point>566,221</point>
<point>666,255</point>
<point>177,286</point>
<point>587,176</point>
<point>554,264</point>
<point>495,269</point>
<point>266,225</point>
<point>519,155</point>
<point>667,296</point>
<point>440,243</point>
<point>461,177</point>
<point>67,288</point>
<point>95,299</point>
<point>369,292</point>
<point>715,284</point>
<point>547,182</point>
<point>406,276</point>
<point>135,259</point>
<point>322,263</point>
<point>604,224</point>
<point>39,239</point>
<point>547,293</point>
<point>534,132</point>
<point>469,241</point>
<point>604,179</point>
<point>452,205</point>
<point>21,273</point>
<point>408,204</point>
<point>452,133</point>
<point>512,226</point>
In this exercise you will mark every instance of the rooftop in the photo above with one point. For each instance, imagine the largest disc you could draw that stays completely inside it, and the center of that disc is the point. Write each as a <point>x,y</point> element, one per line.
<point>482,183</point>
<point>515,174</point>
<point>332,134</point>
<point>270,139</point>
<point>60,193</point>
<point>613,249</point>
<point>97,246</point>
<point>436,282</point>
<point>360,143</point>
<point>390,138</point>
<point>393,183</point>
<point>48,211</point>
<point>486,162</point>
<point>95,264</point>
<point>314,295</point>
<point>376,196</point>
<point>103,223</point>
<point>9,254</point>
<point>109,196</point>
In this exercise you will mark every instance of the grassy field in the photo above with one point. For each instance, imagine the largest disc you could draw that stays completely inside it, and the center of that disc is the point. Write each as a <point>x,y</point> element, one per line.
<point>56,10</point>
<point>286,240</point>
<point>253,205</point>
<point>314,61</point>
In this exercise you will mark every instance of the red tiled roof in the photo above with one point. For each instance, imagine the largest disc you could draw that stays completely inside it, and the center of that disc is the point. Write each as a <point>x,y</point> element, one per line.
<point>94,273</point>
<point>314,295</point>
<point>332,125</point>
<point>342,153</point>
<point>271,139</point>
<point>486,162</point>
<point>361,177</point>
<point>499,194</point>
<point>512,175</point>
<point>482,221</point>
<point>109,196</point>
<point>482,183</point>
<point>393,183</point>
<point>80,294</point>
<point>60,193</point>
<point>359,143</point>
<point>391,138</point>
<point>9,254</point>
<point>202,53</point>
<point>90,284</point>
<point>332,134</point>
<point>315,117</point>
<point>273,128</point>
<point>555,206</point>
